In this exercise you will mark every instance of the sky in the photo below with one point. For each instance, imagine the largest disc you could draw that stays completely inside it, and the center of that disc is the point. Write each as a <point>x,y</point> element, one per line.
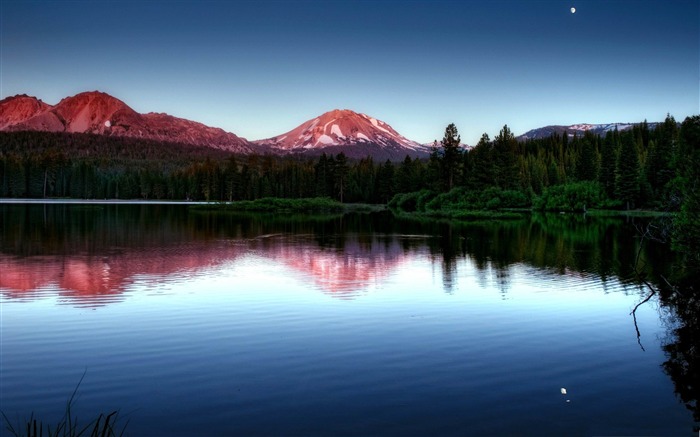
<point>260,68</point>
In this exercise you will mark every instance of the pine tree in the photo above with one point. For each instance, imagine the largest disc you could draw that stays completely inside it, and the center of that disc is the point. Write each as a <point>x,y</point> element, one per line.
<point>434,170</point>
<point>340,174</point>
<point>231,179</point>
<point>363,176</point>
<point>451,156</point>
<point>15,176</point>
<point>385,182</point>
<point>406,177</point>
<point>608,162</point>
<point>553,173</point>
<point>587,162</point>
<point>322,175</point>
<point>627,173</point>
<point>659,168</point>
<point>482,169</point>
<point>504,154</point>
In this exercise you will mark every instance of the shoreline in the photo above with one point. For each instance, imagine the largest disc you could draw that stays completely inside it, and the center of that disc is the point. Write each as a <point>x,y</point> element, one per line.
<point>104,202</point>
<point>476,214</point>
<point>216,205</point>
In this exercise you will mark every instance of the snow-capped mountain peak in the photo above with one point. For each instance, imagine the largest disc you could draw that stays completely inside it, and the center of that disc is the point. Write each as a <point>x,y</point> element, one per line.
<point>577,129</point>
<point>355,134</point>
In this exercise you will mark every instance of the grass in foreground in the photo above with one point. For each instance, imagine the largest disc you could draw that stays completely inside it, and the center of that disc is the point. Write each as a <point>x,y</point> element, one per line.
<point>68,426</point>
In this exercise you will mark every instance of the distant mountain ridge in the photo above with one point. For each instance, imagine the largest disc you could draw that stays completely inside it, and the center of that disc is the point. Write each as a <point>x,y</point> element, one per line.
<point>356,135</point>
<point>578,129</point>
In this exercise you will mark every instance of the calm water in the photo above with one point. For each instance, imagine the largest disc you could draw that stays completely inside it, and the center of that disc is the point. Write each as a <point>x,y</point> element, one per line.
<point>195,323</point>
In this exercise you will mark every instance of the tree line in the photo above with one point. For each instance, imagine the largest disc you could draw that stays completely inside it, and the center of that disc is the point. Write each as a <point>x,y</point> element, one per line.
<point>636,168</point>
<point>59,165</point>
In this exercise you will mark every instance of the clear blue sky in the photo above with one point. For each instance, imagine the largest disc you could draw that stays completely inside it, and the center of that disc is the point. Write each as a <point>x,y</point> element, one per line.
<point>259,68</point>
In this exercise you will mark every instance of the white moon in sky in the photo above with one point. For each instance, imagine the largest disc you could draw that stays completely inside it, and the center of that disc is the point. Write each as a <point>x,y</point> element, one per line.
<point>573,10</point>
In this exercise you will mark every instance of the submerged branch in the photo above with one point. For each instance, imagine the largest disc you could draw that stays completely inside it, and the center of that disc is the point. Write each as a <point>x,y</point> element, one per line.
<point>647,234</point>
<point>636,328</point>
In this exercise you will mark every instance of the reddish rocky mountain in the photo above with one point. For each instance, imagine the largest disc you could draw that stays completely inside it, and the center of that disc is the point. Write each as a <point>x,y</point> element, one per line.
<point>16,109</point>
<point>356,135</point>
<point>99,113</point>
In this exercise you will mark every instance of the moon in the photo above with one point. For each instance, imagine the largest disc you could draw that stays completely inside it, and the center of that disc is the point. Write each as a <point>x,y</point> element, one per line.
<point>573,10</point>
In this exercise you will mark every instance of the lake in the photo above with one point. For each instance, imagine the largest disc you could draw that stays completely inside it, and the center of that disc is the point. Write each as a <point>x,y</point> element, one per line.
<point>203,323</point>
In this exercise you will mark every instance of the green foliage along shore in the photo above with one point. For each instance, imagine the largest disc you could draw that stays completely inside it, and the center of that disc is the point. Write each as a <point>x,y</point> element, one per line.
<point>636,168</point>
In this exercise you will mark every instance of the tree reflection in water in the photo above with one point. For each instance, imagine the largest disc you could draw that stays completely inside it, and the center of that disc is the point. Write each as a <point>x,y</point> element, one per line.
<point>683,352</point>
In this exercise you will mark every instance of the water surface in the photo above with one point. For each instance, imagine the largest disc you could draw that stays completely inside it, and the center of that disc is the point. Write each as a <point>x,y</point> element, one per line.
<point>196,323</point>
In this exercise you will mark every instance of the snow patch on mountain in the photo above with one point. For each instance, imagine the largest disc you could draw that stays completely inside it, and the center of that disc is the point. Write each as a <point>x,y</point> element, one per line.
<point>325,139</point>
<point>325,126</point>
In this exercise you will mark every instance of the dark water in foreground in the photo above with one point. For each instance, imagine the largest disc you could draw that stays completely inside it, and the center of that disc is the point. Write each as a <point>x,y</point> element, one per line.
<point>198,323</point>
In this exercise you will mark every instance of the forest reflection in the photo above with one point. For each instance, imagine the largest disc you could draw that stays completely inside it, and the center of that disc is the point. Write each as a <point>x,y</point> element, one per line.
<point>681,346</point>
<point>97,251</point>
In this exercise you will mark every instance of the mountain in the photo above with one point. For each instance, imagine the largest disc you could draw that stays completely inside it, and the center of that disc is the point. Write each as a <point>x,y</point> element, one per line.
<point>16,109</point>
<point>99,113</point>
<point>578,129</point>
<point>356,135</point>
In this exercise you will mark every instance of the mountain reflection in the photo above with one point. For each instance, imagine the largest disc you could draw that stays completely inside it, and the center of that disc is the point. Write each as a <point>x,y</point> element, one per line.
<point>342,273</point>
<point>103,279</point>
<point>96,252</point>
<point>91,256</point>
<point>95,279</point>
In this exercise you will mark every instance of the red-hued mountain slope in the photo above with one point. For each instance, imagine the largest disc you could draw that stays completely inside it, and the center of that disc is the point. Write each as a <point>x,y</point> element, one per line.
<point>356,135</point>
<point>99,113</point>
<point>16,109</point>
